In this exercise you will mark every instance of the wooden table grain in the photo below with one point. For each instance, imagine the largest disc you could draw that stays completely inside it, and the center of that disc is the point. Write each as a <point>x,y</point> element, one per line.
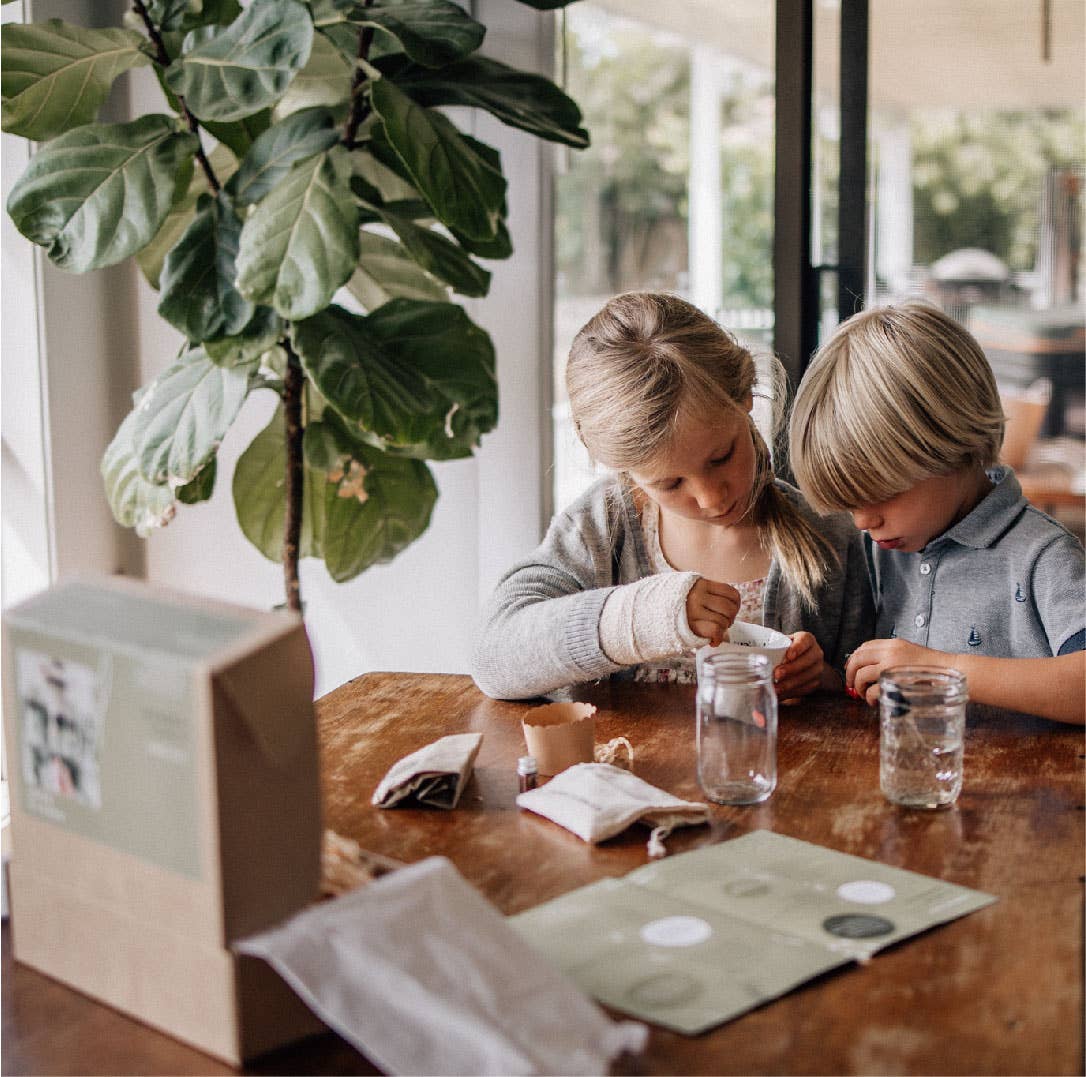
<point>997,992</point>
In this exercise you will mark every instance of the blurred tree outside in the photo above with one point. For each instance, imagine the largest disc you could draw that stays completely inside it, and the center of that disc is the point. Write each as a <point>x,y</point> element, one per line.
<point>631,184</point>
<point>977,179</point>
<point>622,206</point>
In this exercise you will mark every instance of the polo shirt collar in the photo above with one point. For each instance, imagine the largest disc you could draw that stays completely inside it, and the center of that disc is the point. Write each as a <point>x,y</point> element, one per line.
<point>992,516</point>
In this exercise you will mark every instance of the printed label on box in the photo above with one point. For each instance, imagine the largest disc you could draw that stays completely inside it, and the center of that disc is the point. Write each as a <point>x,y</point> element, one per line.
<point>106,747</point>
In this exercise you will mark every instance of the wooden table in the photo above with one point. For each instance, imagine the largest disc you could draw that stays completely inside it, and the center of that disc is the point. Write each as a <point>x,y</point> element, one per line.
<point>997,992</point>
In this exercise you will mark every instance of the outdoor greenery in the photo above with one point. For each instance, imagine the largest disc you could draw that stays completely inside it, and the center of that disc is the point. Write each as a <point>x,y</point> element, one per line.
<point>622,205</point>
<point>300,148</point>
<point>977,179</point>
<point>977,176</point>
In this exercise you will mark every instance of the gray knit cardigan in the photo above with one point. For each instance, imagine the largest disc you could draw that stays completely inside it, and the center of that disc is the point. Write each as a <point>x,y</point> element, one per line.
<point>539,631</point>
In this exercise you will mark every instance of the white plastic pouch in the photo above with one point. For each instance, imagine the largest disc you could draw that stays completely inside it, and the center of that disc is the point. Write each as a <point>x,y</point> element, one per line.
<point>423,975</point>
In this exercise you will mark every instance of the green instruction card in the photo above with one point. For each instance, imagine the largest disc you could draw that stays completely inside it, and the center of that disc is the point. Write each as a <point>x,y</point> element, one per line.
<point>697,939</point>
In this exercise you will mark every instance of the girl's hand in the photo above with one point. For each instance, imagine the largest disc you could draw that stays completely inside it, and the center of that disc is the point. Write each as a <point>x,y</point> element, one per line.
<point>711,607</point>
<point>800,672</point>
<point>870,659</point>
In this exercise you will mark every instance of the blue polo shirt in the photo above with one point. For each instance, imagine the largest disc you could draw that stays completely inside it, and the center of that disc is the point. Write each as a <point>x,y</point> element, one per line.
<point>1006,581</point>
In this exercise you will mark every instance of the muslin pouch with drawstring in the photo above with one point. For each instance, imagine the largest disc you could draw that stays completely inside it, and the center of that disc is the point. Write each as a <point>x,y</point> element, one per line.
<point>596,801</point>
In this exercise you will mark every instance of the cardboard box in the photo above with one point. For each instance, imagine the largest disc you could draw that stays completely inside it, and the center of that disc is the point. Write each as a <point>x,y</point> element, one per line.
<point>165,801</point>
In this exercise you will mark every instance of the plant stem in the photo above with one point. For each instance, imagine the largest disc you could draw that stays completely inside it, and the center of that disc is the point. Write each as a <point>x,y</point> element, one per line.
<point>293,388</point>
<point>359,108</point>
<point>162,58</point>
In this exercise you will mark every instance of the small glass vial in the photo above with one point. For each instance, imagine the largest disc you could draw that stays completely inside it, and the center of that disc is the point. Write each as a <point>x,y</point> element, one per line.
<point>527,772</point>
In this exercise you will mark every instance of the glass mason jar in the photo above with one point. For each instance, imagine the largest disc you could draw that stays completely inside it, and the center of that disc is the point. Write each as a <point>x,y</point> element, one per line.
<point>922,735</point>
<point>737,728</point>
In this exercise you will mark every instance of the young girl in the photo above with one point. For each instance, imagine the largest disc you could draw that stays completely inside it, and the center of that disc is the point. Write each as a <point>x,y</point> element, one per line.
<point>691,533</point>
<point>899,420</point>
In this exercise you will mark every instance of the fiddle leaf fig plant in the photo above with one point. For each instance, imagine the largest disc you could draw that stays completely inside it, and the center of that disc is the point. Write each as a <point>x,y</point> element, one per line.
<point>306,213</point>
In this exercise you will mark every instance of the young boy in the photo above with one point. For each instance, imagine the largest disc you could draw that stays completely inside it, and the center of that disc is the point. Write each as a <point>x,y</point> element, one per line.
<point>899,421</point>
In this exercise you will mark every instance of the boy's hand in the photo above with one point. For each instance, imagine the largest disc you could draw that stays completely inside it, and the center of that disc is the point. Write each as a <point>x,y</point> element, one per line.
<point>800,671</point>
<point>870,659</point>
<point>711,607</point>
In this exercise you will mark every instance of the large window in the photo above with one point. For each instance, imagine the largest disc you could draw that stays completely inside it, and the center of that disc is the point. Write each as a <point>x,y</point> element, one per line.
<point>974,195</point>
<point>676,191</point>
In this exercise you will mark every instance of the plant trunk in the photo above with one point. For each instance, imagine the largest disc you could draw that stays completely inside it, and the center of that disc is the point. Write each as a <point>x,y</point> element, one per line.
<point>293,387</point>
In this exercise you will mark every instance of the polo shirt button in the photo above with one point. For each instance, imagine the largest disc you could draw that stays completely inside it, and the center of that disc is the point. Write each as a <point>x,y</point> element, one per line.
<point>918,620</point>
<point>925,568</point>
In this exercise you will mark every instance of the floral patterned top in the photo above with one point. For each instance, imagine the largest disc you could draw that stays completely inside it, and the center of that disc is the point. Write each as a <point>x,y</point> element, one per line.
<point>680,670</point>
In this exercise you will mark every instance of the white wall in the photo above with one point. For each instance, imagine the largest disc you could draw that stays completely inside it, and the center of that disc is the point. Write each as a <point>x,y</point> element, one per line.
<point>67,373</point>
<point>416,613</point>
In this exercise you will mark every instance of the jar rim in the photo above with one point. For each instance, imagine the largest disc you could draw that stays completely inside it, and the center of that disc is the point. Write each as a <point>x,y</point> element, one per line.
<point>732,664</point>
<point>919,677</point>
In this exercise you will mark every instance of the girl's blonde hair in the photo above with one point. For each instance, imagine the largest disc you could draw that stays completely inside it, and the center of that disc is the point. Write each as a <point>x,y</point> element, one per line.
<point>647,360</point>
<point>898,394</point>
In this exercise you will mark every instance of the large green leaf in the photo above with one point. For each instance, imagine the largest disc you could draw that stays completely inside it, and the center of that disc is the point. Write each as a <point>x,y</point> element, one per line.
<point>328,13</point>
<point>226,74</point>
<point>302,134</point>
<point>100,193</point>
<point>356,376</point>
<point>300,244</point>
<point>518,98</point>
<point>386,173</point>
<point>455,356</point>
<point>168,14</point>
<point>439,256</point>
<point>465,192</point>
<point>417,378</point>
<point>153,256</point>
<point>134,501</point>
<point>239,135</point>
<point>260,495</point>
<point>188,14</point>
<point>55,76</point>
<point>325,79</point>
<point>198,293</point>
<point>249,343</point>
<point>387,271</point>
<point>400,497</point>
<point>501,246</point>
<point>202,485</point>
<point>373,504</point>
<point>324,448</point>
<point>431,32</point>
<point>183,415</point>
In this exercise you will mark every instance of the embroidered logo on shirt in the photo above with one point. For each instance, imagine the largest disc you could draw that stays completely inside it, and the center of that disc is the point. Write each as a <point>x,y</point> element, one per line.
<point>1018,596</point>
<point>974,637</point>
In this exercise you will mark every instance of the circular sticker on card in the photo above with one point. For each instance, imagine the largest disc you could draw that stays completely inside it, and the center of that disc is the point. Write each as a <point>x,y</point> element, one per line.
<point>853,925</point>
<point>865,892</point>
<point>676,931</point>
<point>665,989</point>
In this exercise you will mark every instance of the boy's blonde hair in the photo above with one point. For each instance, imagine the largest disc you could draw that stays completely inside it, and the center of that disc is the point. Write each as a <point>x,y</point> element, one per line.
<point>647,360</point>
<point>898,394</point>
